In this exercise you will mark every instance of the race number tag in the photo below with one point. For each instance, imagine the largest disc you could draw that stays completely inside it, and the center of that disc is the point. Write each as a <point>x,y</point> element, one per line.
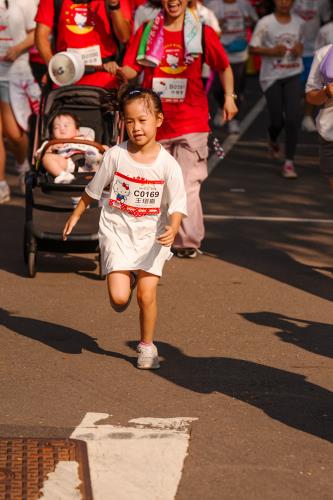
<point>233,24</point>
<point>136,196</point>
<point>170,89</point>
<point>91,55</point>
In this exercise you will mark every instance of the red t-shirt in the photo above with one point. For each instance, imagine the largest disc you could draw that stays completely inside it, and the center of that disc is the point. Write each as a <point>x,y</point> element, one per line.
<point>81,26</point>
<point>185,104</point>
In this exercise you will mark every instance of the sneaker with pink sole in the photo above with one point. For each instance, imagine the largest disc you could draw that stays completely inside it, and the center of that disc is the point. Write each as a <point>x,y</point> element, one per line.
<point>147,357</point>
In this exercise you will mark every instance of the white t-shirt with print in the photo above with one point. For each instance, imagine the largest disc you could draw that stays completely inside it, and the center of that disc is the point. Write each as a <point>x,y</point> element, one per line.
<point>325,36</point>
<point>269,33</point>
<point>140,199</point>
<point>316,81</point>
<point>313,13</point>
<point>15,22</point>
<point>233,17</point>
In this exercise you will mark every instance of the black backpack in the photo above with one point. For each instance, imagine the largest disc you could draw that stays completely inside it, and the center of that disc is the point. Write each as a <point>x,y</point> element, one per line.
<point>120,46</point>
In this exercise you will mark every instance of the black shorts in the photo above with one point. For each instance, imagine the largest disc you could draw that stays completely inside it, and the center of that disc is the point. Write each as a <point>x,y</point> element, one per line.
<point>326,157</point>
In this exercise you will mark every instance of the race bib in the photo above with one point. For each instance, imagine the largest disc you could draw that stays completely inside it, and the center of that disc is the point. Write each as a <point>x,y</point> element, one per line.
<point>136,196</point>
<point>233,24</point>
<point>91,56</point>
<point>170,89</point>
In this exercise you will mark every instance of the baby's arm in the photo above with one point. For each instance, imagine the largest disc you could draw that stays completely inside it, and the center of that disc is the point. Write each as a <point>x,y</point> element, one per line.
<point>81,207</point>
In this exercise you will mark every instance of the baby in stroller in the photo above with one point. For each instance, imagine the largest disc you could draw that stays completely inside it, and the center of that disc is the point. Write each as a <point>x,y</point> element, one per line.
<point>63,158</point>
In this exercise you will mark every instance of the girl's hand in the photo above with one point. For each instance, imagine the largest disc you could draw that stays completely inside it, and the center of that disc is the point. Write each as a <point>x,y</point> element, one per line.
<point>111,67</point>
<point>69,226</point>
<point>167,238</point>
<point>278,51</point>
<point>230,109</point>
<point>297,49</point>
<point>13,53</point>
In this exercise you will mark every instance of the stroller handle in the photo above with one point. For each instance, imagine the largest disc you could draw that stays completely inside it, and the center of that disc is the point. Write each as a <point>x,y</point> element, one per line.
<point>97,145</point>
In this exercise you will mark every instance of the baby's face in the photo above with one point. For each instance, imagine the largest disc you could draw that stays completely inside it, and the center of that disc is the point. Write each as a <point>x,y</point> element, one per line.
<point>64,127</point>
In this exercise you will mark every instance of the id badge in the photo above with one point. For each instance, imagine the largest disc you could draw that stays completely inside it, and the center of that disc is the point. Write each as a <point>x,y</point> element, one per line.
<point>170,89</point>
<point>91,56</point>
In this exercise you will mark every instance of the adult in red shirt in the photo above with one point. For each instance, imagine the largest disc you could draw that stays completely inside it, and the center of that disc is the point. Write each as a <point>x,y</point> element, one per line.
<point>185,129</point>
<point>85,25</point>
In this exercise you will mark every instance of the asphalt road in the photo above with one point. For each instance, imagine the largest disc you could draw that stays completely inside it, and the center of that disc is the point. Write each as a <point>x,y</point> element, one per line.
<point>245,333</point>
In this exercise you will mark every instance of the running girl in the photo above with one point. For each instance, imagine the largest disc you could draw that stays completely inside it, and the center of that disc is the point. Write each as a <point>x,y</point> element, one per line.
<point>138,225</point>
<point>278,39</point>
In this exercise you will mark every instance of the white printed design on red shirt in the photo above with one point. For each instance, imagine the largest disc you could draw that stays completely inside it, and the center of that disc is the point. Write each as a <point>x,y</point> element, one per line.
<point>136,195</point>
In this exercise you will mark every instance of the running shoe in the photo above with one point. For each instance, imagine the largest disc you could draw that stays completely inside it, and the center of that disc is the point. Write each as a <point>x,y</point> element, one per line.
<point>308,124</point>
<point>118,308</point>
<point>288,170</point>
<point>4,193</point>
<point>147,357</point>
<point>274,149</point>
<point>185,253</point>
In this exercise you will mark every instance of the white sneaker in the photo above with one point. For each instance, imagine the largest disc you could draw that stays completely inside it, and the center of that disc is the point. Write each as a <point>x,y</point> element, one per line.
<point>288,170</point>
<point>147,357</point>
<point>4,192</point>
<point>308,124</point>
<point>218,119</point>
<point>64,178</point>
<point>233,127</point>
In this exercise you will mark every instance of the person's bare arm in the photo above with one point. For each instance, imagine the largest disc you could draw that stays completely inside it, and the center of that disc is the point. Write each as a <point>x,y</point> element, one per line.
<point>84,202</point>
<point>15,51</point>
<point>227,81</point>
<point>277,51</point>
<point>319,97</point>
<point>127,73</point>
<point>167,238</point>
<point>42,41</point>
<point>121,26</point>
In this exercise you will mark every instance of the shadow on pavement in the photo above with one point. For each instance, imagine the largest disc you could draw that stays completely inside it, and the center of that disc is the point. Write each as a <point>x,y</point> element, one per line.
<point>260,248</point>
<point>282,395</point>
<point>310,335</point>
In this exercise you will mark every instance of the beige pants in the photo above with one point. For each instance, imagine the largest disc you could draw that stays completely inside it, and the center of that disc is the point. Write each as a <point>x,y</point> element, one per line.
<point>191,152</point>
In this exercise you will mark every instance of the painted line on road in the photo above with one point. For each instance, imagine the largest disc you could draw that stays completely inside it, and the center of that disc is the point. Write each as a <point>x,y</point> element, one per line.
<point>267,219</point>
<point>232,139</point>
<point>141,461</point>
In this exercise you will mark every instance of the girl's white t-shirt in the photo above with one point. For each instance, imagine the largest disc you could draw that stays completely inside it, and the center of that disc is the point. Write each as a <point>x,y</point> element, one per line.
<point>234,17</point>
<point>269,33</point>
<point>15,22</point>
<point>325,36</point>
<point>313,13</point>
<point>140,199</point>
<point>315,81</point>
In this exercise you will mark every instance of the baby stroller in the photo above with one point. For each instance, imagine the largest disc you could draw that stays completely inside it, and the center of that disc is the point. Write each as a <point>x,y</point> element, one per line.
<point>48,205</point>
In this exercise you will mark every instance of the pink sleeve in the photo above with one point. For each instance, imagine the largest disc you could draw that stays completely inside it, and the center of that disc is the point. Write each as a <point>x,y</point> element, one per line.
<point>45,13</point>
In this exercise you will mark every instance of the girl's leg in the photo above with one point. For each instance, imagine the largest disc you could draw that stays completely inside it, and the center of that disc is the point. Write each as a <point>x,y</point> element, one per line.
<point>292,94</point>
<point>274,100</point>
<point>119,288</point>
<point>147,300</point>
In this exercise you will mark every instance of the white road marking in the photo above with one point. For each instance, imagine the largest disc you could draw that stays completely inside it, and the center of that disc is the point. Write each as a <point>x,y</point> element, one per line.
<point>231,140</point>
<point>267,219</point>
<point>63,483</point>
<point>141,461</point>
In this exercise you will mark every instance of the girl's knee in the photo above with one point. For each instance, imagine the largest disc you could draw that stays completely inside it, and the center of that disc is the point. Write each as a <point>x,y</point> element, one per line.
<point>146,298</point>
<point>118,298</point>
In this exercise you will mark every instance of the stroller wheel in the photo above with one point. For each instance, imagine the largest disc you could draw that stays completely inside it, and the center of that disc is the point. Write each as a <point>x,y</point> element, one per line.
<point>32,258</point>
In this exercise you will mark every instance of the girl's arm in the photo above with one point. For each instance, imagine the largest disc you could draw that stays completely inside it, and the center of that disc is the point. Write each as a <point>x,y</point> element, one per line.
<point>319,97</point>
<point>167,238</point>
<point>43,43</point>
<point>74,218</point>
<point>227,81</point>
<point>277,51</point>
<point>14,52</point>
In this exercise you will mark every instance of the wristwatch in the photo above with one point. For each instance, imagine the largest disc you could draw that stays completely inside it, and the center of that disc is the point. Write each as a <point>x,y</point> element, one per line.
<point>231,95</point>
